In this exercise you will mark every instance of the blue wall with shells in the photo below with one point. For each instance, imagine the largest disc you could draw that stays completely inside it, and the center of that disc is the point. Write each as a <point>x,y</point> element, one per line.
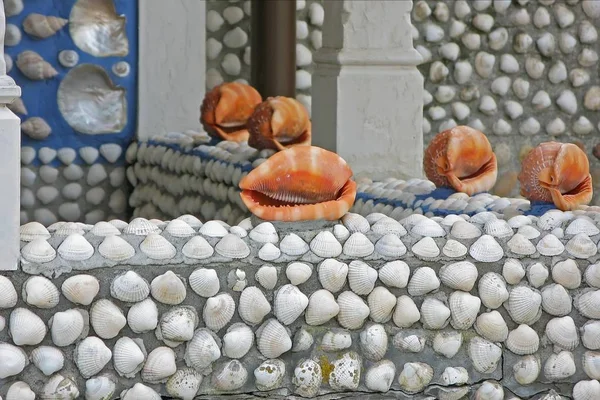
<point>94,73</point>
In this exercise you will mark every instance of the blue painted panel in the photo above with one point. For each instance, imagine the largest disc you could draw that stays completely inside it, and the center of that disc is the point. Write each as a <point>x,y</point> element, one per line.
<point>40,97</point>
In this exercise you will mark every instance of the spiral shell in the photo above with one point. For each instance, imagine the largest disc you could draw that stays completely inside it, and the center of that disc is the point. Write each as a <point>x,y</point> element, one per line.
<point>34,67</point>
<point>43,26</point>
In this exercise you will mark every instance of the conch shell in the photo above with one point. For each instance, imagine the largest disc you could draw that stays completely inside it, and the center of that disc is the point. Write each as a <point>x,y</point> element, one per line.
<point>43,26</point>
<point>279,123</point>
<point>558,173</point>
<point>462,158</point>
<point>33,66</point>
<point>299,184</point>
<point>226,109</point>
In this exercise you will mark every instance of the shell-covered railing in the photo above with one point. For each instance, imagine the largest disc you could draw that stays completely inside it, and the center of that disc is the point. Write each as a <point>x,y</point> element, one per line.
<point>430,307</point>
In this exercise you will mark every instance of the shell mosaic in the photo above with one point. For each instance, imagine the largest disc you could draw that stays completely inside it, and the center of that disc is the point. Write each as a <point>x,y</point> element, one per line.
<point>228,43</point>
<point>432,307</point>
<point>523,72</point>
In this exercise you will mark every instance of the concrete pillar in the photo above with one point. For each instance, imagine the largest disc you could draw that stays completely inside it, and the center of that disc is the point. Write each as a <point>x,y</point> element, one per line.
<point>172,65</point>
<point>366,90</point>
<point>10,163</point>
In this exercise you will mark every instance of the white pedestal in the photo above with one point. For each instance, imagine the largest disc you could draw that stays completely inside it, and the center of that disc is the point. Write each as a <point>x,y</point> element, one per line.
<point>367,92</point>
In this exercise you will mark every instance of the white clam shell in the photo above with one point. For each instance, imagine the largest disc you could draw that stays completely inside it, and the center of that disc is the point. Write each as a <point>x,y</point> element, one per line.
<point>406,312</point>
<point>104,229</point>
<point>388,226</point>
<point>129,287</point>
<point>128,356</point>
<point>229,376</point>
<point>562,332</point>
<point>38,251</point>
<point>100,387</point>
<point>464,308</point>
<point>177,325</point>
<point>556,300</point>
<point>454,376</point>
<point>465,230</point>
<point>415,376</point>
<point>332,274</point>
<point>179,228</point>
<point>361,277</point>
<point>353,310</point>
<point>381,304</point>
<point>269,375</point>
<point>588,304</point>
<point>374,342</point>
<point>498,228</point>
<point>489,390</point>
<point>202,350</point>
<point>559,366</point>
<point>14,360</point>
<point>159,365</point>
<point>302,341</point>
<point>213,229</point>
<point>550,245</point>
<point>586,390</point>
<point>8,293</point>
<point>582,225</point>
<point>428,227</point>
<point>523,340</point>
<point>426,248</point>
<point>346,372</point>
<point>340,232</point>
<point>461,275</point>
<point>491,326</point>
<point>325,245</point>
<point>140,227</point>
<point>116,249</point>
<point>253,306</point>
<point>75,248</point>
<point>358,245</point>
<point>492,290</point>
<point>395,274</point>
<point>26,328</point>
<point>33,230</point>
<point>390,246</point>
<point>289,304</point>
<point>81,289</point>
<point>486,249</point>
<point>269,252</point>
<point>409,343</point>
<point>513,271</point>
<point>321,308</point>
<point>157,247</point>
<point>307,378</point>
<point>140,391</point>
<point>527,369</point>
<point>143,316</point>
<point>168,288</point>
<point>298,273</point>
<point>68,326</point>
<point>237,341</point>
<point>184,384</point>
<point>537,274</point>
<point>272,339</point>
<point>581,246</point>
<point>423,281</point>
<point>447,343</point>
<point>590,335</point>
<point>355,223</point>
<point>231,246</point>
<point>106,319</point>
<point>591,364</point>
<point>484,355</point>
<point>524,305</point>
<point>197,248</point>
<point>264,233</point>
<point>218,311</point>
<point>40,292</point>
<point>47,359</point>
<point>529,232</point>
<point>20,390</point>
<point>434,313</point>
<point>592,275</point>
<point>91,355</point>
<point>567,274</point>
<point>205,282</point>
<point>336,340</point>
<point>520,245</point>
<point>293,245</point>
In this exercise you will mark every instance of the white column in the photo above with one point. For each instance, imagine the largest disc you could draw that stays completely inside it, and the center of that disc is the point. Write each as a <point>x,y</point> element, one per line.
<point>172,64</point>
<point>366,90</point>
<point>10,163</point>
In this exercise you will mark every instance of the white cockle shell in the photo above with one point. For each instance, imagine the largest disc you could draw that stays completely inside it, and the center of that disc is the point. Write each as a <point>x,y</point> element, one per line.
<point>272,339</point>
<point>81,289</point>
<point>321,308</point>
<point>91,355</point>
<point>491,326</point>
<point>143,316</point>
<point>168,288</point>
<point>406,312</point>
<point>253,306</point>
<point>238,340</point>
<point>67,326</point>
<point>218,311</point>
<point>129,287</point>
<point>332,274</point>
<point>177,325</point>
<point>205,282</point>
<point>159,365</point>
<point>40,292</point>
<point>26,328</point>
<point>353,310</point>
<point>523,340</point>
<point>106,319</point>
<point>289,304</point>
<point>47,359</point>
<point>128,356</point>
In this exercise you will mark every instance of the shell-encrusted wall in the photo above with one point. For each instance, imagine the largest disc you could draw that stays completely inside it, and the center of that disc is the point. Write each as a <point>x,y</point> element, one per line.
<point>522,71</point>
<point>76,63</point>
<point>446,308</point>
<point>228,43</point>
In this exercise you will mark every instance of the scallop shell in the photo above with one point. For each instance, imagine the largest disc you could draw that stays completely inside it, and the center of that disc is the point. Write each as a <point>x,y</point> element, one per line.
<point>34,67</point>
<point>394,274</point>
<point>537,273</point>
<point>140,391</point>
<point>581,246</point>
<point>307,378</point>
<point>460,275</point>
<point>66,327</point>
<point>272,339</point>
<point>205,282</point>
<point>426,248</point>
<point>491,326</point>
<point>231,246</point>
<point>567,274</point>
<point>561,331</point>
<point>361,277</point>
<point>184,384</point>
<point>550,245</point>
<point>116,249</point>
<point>358,245</point>
<point>381,304</point>
<point>336,340</point>
<point>293,245</point>
<point>447,343</point>
<point>14,360</point>
<point>321,308</point>
<point>269,375</point>
<point>523,340</point>
<point>19,390</point>
<point>332,274</point>
<point>325,245</point>
<point>253,306</point>
<point>91,355</point>
<point>434,313</point>
<point>43,26</point>
<point>464,308</point>
<point>559,366</point>
<point>415,376</point>
<point>140,227</point>
<point>106,319</point>
<point>40,292</point>
<point>486,249</point>
<point>129,287</point>
<point>157,247</point>
<point>586,390</point>
<point>267,276</point>
<point>406,312</point>
<point>218,311</point>
<point>202,350</point>
<point>168,288</point>
<point>143,316</point>
<point>33,230</point>
<point>556,300</point>
<point>47,359</point>
<point>390,246</point>
<point>353,310</point>
<point>128,356</point>
<point>465,230</point>
<point>423,281</point>
<point>8,294</point>
<point>177,325</point>
<point>289,304</point>
<point>484,355</point>
<point>237,341</point>
<point>409,343</point>
<point>159,365</point>
<point>26,328</point>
